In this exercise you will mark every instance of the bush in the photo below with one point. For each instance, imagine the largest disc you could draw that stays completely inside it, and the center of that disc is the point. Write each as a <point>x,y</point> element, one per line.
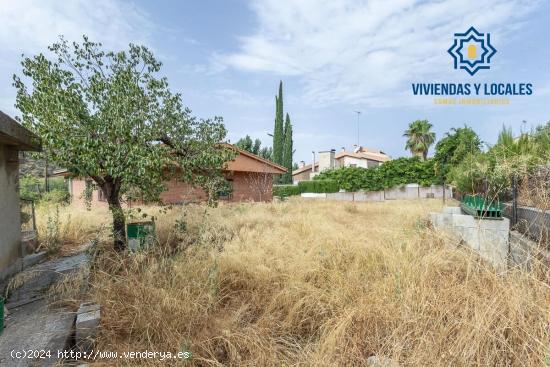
<point>55,197</point>
<point>319,186</point>
<point>392,173</point>
<point>283,191</point>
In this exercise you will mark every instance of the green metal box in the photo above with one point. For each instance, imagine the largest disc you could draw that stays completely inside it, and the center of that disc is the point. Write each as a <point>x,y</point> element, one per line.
<point>140,235</point>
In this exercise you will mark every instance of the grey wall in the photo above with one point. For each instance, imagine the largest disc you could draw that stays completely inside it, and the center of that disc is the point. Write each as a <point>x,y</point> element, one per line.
<point>10,216</point>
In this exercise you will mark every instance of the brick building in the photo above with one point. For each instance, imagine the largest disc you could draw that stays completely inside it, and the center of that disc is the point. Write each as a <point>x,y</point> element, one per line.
<point>249,176</point>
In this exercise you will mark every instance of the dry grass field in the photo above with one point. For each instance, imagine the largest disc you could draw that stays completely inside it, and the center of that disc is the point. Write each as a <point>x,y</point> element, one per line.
<point>306,283</point>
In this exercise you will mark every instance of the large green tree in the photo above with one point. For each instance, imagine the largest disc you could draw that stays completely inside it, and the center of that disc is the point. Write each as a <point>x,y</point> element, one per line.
<point>252,146</point>
<point>453,148</point>
<point>108,116</point>
<point>287,151</point>
<point>419,138</point>
<point>278,131</point>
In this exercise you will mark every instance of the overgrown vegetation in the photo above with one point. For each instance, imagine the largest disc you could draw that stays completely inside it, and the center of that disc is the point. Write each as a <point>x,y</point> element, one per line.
<point>492,172</point>
<point>318,283</point>
<point>104,114</point>
<point>390,174</point>
<point>33,188</point>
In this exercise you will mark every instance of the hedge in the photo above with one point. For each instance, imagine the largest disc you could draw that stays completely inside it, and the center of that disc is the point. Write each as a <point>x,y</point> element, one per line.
<point>390,174</point>
<point>318,186</point>
<point>285,190</point>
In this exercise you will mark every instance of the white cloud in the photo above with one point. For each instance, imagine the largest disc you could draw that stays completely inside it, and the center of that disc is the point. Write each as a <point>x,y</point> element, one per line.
<point>241,99</point>
<point>363,52</point>
<point>29,26</point>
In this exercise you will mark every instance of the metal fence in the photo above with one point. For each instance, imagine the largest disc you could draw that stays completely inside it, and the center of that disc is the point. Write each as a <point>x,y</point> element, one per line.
<point>532,222</point>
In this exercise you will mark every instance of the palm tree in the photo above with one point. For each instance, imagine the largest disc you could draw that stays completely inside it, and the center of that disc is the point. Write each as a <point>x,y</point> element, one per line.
<point>419,138</point>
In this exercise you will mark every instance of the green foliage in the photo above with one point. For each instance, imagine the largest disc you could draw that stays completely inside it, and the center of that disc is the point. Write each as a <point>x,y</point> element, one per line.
<point>453,148</point>
<point>283,191</point>
<point>267,153</point>
<point>278,131</point>
<point>254,147</point>
<point>287,151</point>
<point>249,145</point>
<point>390,174</point>
<point>319,186</point>
<point>55,196</point>
<point>419,138</point>
<point>315,186</point>
<point>51,239</point>
<point>30,187</point>
<point>103,114</point>
<point>492,172</point>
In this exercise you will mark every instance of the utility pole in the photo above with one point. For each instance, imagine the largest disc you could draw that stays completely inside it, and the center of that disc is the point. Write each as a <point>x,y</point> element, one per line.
<point>358,114</point>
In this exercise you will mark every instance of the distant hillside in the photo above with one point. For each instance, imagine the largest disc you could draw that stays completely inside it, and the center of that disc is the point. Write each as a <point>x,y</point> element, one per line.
<point>34,166</point>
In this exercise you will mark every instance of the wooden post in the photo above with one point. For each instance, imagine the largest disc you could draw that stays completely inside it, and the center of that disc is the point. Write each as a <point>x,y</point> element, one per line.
<point>46,183</point>
<point>33,216</point>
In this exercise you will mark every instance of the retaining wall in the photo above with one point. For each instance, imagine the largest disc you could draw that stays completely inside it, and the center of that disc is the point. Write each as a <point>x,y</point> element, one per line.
<point>489,238</point>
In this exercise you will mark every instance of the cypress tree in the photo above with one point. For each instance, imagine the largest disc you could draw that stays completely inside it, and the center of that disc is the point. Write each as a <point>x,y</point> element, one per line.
<point>278,137</point>
<point>287,151</point>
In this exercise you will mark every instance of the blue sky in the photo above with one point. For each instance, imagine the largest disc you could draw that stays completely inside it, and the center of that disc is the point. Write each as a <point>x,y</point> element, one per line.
<point>227,57</point>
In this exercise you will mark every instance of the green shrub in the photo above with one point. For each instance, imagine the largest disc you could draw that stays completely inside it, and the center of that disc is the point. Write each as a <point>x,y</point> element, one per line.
<point>319,186</point>
<point>283,191</point>
<point>392,173</point>
<point>55,196</point>
<point>29,187</point>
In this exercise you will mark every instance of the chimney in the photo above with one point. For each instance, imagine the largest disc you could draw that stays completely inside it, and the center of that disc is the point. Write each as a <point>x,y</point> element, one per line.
<point>343,149</point>
<point>326,160</point>
<point>356,148</point>
<point>302,164</point>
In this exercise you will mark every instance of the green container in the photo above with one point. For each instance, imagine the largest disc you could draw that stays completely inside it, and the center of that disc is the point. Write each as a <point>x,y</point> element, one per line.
<point>140,235</point>
<point>480,207</point>
<point>1,314</point>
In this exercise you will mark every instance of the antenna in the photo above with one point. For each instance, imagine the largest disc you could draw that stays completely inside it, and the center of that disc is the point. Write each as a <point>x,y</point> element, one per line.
<point>358,114</point>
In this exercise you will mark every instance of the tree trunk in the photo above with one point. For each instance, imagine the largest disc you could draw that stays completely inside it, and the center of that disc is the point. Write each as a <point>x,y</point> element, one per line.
<point>112,192</point>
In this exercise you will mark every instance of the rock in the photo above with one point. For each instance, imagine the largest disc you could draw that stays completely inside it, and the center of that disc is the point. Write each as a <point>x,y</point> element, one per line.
<point>381,361</point>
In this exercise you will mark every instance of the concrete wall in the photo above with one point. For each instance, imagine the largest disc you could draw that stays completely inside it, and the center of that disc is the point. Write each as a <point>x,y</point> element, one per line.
<point>340,196</point>
<point>526,253</point>
<point>411,191</point>
<point>489,238</point>
<point>10,219</point>
<point>369,196</point>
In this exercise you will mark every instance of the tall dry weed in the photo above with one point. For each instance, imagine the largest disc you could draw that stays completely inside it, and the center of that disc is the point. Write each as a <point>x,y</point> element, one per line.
<point>319,284</point>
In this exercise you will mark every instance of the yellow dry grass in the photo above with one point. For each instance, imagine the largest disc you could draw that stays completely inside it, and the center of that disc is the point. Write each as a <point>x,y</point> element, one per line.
<point>65,227</point>
<point>308,283</point>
